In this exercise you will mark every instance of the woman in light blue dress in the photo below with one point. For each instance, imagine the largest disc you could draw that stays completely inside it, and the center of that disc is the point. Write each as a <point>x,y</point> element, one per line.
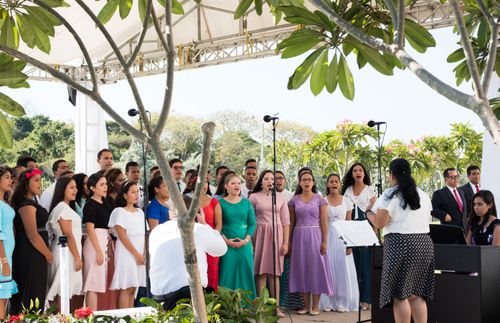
<point>7,284</point>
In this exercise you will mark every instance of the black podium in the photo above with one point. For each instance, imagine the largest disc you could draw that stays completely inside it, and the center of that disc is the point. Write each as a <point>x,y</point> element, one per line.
<point>467,286</point>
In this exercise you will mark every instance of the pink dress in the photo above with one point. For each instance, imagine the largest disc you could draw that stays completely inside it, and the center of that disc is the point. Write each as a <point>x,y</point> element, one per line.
<point>263,237</point>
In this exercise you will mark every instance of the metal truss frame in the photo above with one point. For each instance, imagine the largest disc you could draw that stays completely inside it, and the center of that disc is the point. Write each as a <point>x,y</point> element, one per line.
<point>246,44</point>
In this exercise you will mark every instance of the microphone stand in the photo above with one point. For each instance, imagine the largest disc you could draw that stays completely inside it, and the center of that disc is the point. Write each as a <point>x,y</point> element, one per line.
<point>144,203</point>
<point>273,209</point>
<point>379,162</point>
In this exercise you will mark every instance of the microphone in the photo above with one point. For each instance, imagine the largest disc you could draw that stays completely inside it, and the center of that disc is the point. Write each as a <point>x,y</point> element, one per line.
<point>268,118</point>
<point>372,123</point>
<point>133,112</point>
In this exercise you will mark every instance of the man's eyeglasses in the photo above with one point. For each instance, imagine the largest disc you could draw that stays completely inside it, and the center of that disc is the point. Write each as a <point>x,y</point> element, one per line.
<point>453,177</point>
<point>279,178</point>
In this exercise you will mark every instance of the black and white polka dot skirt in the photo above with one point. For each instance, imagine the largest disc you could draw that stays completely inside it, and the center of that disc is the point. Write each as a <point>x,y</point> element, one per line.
<point>408,267</point>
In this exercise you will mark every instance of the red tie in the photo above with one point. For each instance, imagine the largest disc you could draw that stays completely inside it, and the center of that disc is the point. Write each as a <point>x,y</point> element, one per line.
<point>477,188</point>
<point>460,206</point>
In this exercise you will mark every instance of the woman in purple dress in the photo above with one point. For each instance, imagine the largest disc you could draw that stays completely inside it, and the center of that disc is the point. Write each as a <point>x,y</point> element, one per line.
<point>309,223</point>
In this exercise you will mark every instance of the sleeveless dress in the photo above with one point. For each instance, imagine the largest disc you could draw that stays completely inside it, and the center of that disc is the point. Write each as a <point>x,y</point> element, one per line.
<point>484,236</point>
<point>8,286</point>
<point>65,212</point>
<point>29,267</point>
<point>345,280</point>
<point>212,262</point>
<point>236,266</point>
<point>306,257</point>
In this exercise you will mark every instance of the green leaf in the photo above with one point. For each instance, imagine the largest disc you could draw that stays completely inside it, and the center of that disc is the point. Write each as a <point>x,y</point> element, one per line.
<point>319,73</point>
<point>40,20</point>
<point>304,70</point>
<point>361,60</point>
<point>242,8</point>
<point>298,49</point>
<point>456,56</point>
<point>108,11</point>
<point>418,35</point>
<point>331,75</point>
<point>9,35</point>
<point>345,79</point>
<point>125,7</point>
<point>375,59</point>
<point>177,8</point>
<point>149,302</point>
<point>47,16</point>
<point>28,35</point>
<point>258,7</point>
<point>10,106</point>
<point>301,15</point>
<point>42,39</point>
<point>5,132</point>
<point>8,78</point>
<point>483,33</point>
<point>142,9</point>
<point>299,37</point>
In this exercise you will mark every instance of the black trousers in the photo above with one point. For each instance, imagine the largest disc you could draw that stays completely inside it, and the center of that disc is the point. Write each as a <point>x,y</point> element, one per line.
<point>170,300</point>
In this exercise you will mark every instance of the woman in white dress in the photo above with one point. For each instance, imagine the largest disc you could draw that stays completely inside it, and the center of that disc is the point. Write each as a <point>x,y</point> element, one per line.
<point>356,187</point>
<point>128,221</point>
<point>64,221</point>
<point>345,281</point>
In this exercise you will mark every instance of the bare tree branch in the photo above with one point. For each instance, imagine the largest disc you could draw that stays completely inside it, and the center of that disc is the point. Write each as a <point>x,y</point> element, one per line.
<point>490,63</point>
<point>208,131</point>
<point>82,89</point>
<point>157,26</point>
<point>449,92</point>
<point>78,40</point>
<point>349,28</point>
<point>393,12</point>
<point>144,30</point>
<point>123,63</point>
<point>400,30</point>
<point>167,100</point>
<point>469,53</point>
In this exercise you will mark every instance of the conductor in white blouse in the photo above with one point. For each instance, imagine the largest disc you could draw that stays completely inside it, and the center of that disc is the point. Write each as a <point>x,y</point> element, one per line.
<point>168,274</point>
<point>404,211</point>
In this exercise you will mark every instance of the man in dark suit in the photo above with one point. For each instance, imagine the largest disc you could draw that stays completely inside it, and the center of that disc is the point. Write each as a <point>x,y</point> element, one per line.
<point>472,187</point>
<point>448,203</point>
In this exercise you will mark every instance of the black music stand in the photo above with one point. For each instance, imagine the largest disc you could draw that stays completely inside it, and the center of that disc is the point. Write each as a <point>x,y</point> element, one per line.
<point>447,234</point>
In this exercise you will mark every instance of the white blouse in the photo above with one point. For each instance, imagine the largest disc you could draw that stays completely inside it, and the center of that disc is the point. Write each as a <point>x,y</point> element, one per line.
<point>405,221</point>
<point>362,200</point>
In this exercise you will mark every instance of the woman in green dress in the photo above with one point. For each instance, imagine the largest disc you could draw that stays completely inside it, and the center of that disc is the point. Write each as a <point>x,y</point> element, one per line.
<point>238,225</point>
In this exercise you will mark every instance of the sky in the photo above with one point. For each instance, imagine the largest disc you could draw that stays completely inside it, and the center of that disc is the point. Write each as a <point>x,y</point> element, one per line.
<point>410,108</point>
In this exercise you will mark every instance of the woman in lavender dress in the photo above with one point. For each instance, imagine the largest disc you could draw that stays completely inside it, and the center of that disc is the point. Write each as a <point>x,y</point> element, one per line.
<point>310,271</point>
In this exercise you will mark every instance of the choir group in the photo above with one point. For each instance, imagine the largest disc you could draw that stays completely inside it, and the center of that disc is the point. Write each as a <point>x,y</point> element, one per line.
<point>102,217</point>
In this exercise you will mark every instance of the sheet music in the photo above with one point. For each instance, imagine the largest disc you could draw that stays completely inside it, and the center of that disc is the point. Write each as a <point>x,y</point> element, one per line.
<point>356,233</point>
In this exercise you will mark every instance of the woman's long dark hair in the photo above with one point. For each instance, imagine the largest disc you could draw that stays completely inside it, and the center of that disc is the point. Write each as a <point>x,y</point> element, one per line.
<point>298,190</point>
<point>3,170</point>
<point>80,194</point>
<point>111,176</point>
<point>92,182</point>
<point>474,219</point>
<point>258,185</point>
<point>61,184</point>
<point>191,185</point>
<point>400,169</point>
<point>328,179</point>
<point>220,186</point>
<point>348,179</point>
<point>21,190</point>
<point>120,198</point>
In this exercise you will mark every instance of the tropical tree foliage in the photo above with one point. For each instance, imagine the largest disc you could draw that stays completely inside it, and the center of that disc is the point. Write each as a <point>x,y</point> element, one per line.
<point>376,32</point>
<point>334,151</point>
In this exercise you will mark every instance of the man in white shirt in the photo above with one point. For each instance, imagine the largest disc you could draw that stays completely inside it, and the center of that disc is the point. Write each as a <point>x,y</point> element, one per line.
<point>59,167</point>
<point>250,181</point>
<point>177,171</point>
<point>280,182</point>
<point>168,273</point>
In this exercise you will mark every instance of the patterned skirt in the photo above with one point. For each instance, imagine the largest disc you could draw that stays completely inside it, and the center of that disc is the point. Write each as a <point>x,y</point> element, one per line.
<point>408,267</point>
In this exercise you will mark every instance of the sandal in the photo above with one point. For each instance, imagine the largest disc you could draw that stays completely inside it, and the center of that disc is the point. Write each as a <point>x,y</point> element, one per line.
<point>314,313</point>
<point>279,313</point>
<point>302,311</point>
